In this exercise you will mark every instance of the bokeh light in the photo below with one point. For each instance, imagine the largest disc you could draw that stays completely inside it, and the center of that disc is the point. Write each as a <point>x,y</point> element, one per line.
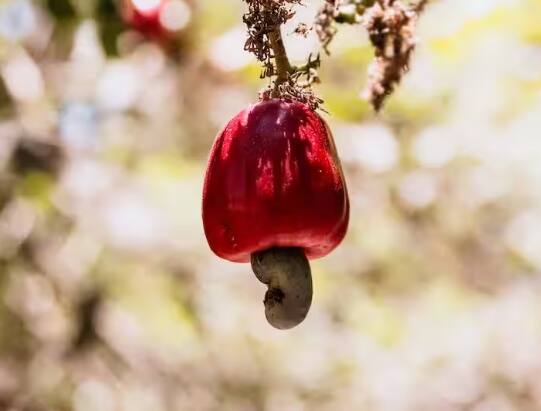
<point>111,300</point>
<point>146,6</point>
<point>175,15</point>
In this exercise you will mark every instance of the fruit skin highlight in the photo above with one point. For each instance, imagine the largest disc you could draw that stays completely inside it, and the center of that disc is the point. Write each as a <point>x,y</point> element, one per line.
<point>274,180</point>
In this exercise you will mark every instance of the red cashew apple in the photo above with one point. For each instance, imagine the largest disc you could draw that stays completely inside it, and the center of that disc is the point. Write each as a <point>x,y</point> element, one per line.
<point>159,20</point>
<point>275,195</point>
<point>143,16</point>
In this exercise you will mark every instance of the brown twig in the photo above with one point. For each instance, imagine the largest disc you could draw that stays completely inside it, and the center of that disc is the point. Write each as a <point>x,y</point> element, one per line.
<point>264,20</point>
<point>283,66</point>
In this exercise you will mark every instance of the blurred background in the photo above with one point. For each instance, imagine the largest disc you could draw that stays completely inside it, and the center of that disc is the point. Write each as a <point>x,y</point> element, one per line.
<point>110,299</point>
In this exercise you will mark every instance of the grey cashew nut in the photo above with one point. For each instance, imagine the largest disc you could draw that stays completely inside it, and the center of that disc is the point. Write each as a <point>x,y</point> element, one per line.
<point>287,274</point>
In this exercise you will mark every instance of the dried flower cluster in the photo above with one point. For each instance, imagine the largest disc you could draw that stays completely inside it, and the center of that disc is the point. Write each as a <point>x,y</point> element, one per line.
<point>297,91</point>
<point>390,25</point>
<point>325,23</point>
<point>263,19</point>
<point>391,28</point>
<point>302,30</point>
<point>299,84</point>
<point>338,11</point>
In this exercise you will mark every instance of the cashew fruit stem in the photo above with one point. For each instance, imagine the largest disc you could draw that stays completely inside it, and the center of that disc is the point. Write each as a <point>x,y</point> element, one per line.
<point>283,66</point>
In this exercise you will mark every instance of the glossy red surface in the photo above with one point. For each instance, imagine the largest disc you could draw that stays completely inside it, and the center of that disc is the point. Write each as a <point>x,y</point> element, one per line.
<point>274,180</point>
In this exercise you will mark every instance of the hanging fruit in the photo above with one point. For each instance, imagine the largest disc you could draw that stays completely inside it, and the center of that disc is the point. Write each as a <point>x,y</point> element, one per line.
<point>274,191</point>
<point>275,195</point>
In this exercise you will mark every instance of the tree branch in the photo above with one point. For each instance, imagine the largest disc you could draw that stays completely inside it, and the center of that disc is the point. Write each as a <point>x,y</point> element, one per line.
<point>283,66</point>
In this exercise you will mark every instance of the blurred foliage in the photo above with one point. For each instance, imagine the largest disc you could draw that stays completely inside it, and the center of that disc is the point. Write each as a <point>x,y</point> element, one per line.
<point>110,297</point>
